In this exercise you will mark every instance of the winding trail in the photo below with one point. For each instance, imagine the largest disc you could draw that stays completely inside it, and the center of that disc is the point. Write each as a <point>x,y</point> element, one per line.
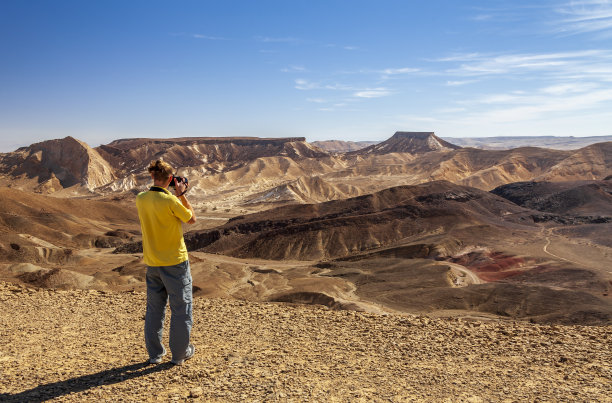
<point>547,234</point>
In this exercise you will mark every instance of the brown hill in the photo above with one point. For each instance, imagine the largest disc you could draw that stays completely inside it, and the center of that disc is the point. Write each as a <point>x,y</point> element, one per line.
<point>216,153</point>
<point>306,189</point>
<point>340,146</point>
<point>43,229</point>
<point>593,162</point>
<point>571,197</point>
<point>55,164</point>
<point>409,142</point>
<point>342,227</point>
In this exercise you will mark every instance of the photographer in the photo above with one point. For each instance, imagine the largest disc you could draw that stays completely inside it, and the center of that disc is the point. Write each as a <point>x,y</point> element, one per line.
<point>161,216</point>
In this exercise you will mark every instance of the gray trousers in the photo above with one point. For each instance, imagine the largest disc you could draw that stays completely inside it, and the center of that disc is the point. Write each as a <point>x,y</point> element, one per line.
<point>163,283</point>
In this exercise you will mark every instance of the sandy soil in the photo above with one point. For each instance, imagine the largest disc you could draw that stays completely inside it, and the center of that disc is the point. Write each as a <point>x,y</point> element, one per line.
<point>87,346</point>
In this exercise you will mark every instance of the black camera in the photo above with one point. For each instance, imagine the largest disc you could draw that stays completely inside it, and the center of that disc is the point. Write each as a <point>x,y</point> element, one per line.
<point>179,179</point>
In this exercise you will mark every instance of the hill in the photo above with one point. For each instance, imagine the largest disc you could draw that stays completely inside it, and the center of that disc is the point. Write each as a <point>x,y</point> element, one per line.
<point>55,164</point>
<point>510,142</point>
<point>89,347</point>
<point>217,153</point>
<point>409,142</point>
<point>341,146</point>
<point>571,197</point>
<point>328,230</point>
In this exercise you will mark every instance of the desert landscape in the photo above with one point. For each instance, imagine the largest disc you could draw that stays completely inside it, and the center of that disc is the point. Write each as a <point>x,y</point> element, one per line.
<point>396,241</point>
<point>414,224</point>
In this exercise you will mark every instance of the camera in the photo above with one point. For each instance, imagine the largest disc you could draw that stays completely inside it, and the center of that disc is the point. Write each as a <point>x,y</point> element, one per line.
<point>179,179</point>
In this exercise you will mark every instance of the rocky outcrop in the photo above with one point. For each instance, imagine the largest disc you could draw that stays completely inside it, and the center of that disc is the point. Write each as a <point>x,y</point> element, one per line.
<point>57,164</point>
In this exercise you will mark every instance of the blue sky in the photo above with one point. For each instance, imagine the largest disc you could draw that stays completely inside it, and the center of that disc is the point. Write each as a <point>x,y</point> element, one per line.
<point>351,70</point>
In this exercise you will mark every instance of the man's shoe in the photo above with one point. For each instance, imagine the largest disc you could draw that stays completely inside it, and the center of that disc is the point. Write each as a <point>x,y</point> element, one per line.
<point>158,359</point>
<point>188,355</point>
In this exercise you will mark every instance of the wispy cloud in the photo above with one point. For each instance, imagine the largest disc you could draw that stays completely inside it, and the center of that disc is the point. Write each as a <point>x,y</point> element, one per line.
<point>372,93</point>
<point>457,83</point>
<point>294,69</point>
<point>594,64</point>
<point>268,39</point>
<point>387,73</point>
<point>303,84</point>
<point>199,36</point>
<point>210,38</point>
<point>585,16</point>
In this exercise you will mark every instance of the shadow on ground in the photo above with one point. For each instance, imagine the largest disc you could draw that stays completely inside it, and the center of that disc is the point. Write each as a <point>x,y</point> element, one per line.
<point>54,390</point>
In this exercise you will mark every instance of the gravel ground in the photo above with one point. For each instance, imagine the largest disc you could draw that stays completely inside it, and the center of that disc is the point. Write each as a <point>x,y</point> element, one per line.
<point>88,346</point>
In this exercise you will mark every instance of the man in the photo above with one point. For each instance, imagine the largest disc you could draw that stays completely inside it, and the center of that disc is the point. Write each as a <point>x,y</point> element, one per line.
<point>165,254</point>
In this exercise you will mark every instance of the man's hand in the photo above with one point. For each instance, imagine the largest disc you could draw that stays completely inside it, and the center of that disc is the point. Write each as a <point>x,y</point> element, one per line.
<point>180,187</point>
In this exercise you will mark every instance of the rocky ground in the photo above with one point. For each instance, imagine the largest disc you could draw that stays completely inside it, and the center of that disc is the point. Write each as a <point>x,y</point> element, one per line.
<point>87,346</point>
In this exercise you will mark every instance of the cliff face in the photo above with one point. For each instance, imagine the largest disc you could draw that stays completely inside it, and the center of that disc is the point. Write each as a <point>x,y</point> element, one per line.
<point>219,154</point>
<point>409,142</point>
<point>57,164</point>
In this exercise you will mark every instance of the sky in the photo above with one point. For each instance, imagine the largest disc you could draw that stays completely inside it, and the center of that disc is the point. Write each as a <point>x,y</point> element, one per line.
<point>321,69</point>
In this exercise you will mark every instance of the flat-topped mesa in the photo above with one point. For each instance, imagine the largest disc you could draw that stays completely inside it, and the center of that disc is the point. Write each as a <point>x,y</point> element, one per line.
<point>130,155</point>
<point>409,142</point>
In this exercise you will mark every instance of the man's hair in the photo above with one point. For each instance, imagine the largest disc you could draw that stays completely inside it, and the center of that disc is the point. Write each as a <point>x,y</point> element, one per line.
<point>161,170</point>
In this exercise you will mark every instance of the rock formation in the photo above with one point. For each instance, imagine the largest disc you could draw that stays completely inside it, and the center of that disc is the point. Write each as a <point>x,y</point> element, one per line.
<point>65,162</point>
<point>409,142</point>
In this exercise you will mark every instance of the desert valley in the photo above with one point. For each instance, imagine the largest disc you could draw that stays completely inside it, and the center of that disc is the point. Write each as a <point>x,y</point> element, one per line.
<point>414,224</point>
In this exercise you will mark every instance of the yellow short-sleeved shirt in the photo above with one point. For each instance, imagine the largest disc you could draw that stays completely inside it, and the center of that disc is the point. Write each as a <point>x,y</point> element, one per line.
<point>161,215</point>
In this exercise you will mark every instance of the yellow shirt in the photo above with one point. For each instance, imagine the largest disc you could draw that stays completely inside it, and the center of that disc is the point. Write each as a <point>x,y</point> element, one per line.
<point>161,215</point>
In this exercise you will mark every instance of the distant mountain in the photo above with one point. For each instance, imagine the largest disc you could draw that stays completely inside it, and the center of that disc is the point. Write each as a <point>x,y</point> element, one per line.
<point>509,142</point>
<point>217,153</point>
<point>340,146</point>
<point>56,164</point>
<point>593,162</point>
<point>409,142</point>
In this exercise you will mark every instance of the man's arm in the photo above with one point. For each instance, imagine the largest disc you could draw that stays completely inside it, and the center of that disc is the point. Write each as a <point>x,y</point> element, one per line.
<point>187,205</point>
<point>179,190</point>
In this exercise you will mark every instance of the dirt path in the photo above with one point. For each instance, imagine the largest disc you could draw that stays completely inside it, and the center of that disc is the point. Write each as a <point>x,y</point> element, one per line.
<point>467,274</point>
<point>89,348</point>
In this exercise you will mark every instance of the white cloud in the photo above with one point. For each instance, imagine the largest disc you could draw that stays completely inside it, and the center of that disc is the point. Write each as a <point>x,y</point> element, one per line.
<point>211,38</point>
<point>372,93</point>
<point>317,100</point>
<point>454,83</point>
<point>568,88</point>
<point>403,70</point>
<point>268,39</point>
<point>539,106</point>
<point>586,16</point>
<point>593,65</point>
<point>302,84</point>
<point>290,69</point>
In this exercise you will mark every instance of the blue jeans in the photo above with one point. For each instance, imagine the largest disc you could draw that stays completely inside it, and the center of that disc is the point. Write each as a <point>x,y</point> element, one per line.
<point>173,282</point>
